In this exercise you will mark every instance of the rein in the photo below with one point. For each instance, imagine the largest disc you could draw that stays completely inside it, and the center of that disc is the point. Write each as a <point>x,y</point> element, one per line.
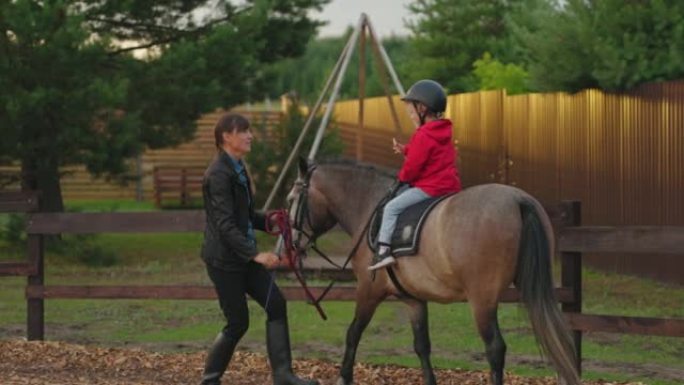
<point>292,253</point>
<point>293,250</point>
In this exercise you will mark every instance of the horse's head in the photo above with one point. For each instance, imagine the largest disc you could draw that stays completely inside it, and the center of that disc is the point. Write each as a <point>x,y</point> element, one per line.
<point>309,211</point>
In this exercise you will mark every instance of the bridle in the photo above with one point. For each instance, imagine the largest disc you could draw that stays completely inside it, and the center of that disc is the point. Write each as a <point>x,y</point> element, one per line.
<point>293,248</point>
<point>302,216</point>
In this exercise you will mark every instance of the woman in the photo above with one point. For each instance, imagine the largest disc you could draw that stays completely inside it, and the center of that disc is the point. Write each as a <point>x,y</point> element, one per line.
<point>429,167</point>
<point>233,263</point>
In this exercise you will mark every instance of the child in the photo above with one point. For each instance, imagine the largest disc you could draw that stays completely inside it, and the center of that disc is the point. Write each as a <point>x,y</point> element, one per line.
<point>429,161</point>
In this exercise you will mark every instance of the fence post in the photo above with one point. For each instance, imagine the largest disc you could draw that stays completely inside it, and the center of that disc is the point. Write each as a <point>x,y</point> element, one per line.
<point>157,187</point>
<point>184,187</point>
<point>571,275</point>
<point>139,178</point>
<point>35,318</point>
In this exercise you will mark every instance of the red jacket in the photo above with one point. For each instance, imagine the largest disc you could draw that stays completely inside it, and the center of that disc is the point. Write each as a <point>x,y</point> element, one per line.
<point>430,159</point>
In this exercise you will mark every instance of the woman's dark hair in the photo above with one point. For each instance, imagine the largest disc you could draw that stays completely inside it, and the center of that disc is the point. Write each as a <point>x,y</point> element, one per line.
<point>229,123</point>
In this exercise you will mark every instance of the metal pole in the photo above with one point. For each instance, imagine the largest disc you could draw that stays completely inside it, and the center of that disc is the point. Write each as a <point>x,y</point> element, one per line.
<point>385,58</point>
<point>383,75</point>
<point>336,90</point>
<point>307,125</point>
<point>362,93</point>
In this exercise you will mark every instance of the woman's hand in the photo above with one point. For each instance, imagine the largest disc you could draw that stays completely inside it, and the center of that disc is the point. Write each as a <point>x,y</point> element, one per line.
<point>398,147</point>
<point>268,259</point>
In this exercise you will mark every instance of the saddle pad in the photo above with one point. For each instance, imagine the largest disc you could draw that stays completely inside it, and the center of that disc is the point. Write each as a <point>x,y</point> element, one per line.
<point>409,225</point>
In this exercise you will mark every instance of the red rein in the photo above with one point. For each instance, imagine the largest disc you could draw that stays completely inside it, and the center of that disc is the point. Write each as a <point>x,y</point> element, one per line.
<point>278,224</point>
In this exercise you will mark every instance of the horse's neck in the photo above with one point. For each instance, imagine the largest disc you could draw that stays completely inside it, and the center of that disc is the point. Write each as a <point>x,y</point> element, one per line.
<point>352,199</point>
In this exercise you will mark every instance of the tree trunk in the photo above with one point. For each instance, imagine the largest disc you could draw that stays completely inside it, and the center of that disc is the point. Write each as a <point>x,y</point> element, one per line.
<point>42,174</point>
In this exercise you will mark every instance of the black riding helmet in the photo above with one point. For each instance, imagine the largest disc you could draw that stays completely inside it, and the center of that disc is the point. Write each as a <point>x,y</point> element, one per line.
<point>428,92</point>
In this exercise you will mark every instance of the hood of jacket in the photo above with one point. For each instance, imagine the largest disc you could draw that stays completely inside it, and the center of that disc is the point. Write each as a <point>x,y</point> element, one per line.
<point>440,130</point>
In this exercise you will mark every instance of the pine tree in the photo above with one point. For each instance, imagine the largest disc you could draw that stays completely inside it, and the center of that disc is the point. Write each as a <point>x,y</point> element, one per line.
<point>608,44</point>
<point>450,35</point>
<point>73,92</point>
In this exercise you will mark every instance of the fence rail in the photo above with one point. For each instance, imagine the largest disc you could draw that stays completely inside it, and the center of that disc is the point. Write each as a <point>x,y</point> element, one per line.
<point>573,240</point>
<point>345,293</point>
<point>626,325</point>
<point>624,239</point>
<point>18,202</point>
<point>184,183</point>
<point>21,269</point>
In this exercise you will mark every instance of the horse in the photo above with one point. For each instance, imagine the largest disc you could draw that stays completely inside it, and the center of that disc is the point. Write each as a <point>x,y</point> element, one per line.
<point>473,246</point>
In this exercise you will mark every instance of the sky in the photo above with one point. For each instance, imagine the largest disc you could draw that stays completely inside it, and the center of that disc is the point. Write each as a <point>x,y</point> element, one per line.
<point>386,16</point>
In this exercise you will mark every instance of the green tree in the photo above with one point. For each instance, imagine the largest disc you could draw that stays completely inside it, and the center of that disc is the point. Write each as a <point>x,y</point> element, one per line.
<point>73,92</point>
<point>494,75</point>
<point>609,44</point>
<point>450,35</point>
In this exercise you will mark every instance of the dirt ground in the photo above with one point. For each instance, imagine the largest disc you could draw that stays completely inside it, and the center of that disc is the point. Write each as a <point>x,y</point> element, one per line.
<point>58,363</point>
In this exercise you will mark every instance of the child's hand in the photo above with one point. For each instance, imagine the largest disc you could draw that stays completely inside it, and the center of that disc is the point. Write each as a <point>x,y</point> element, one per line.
<point>397,147</point>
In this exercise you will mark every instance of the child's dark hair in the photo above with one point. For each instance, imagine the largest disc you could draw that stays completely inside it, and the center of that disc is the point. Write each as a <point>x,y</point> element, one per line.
<point>229,123</point>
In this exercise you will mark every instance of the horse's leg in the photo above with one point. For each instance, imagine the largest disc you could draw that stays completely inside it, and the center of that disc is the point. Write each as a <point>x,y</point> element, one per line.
<point>421,339</point>
<point>495,347</point>
<point>365,308</point>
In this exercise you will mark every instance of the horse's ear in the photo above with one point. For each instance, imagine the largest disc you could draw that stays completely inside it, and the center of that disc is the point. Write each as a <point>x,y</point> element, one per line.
<point>303,166</point>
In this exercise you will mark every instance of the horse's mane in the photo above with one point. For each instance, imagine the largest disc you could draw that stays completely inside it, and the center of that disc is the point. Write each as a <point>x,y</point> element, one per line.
<point>353,164</point>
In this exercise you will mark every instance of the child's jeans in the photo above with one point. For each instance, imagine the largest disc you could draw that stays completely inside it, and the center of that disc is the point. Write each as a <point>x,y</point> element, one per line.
<point>394,207</point>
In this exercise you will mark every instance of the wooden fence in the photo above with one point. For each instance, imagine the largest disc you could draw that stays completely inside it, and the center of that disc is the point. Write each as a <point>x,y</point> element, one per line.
<point>182,185</point>
<point>573,241</point>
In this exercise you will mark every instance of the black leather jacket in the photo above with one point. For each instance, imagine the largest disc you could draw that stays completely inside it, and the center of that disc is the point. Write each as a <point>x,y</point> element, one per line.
<point>228,210</point>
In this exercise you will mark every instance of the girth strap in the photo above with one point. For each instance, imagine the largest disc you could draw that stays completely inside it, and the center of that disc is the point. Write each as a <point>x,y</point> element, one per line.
<point>398,285</point>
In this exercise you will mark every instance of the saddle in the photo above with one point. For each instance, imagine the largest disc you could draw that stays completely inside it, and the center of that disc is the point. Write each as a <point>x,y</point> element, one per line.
<point>406,236</point>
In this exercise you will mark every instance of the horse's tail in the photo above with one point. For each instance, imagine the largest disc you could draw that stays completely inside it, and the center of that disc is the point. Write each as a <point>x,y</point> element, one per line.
<point>533,280</point>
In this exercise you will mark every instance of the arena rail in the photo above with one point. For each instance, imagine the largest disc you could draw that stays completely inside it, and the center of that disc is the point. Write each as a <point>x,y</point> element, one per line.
<point>573,240</point>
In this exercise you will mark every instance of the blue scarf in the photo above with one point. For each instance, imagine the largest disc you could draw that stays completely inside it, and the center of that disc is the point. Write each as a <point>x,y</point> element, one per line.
<point>242,178</point>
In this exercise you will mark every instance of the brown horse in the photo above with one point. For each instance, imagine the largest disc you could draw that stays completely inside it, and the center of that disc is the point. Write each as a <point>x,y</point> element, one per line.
<point>473,246</point>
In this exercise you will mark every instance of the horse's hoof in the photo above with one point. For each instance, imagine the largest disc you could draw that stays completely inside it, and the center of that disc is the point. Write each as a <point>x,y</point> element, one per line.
<point>341,381</point>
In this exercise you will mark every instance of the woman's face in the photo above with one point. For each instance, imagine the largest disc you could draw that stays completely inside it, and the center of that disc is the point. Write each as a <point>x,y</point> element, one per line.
<point>238,143</point>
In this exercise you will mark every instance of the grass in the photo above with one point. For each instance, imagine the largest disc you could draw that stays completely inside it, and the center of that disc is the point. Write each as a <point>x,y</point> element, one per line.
<point>190,325</point>
<point>107,205</point>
